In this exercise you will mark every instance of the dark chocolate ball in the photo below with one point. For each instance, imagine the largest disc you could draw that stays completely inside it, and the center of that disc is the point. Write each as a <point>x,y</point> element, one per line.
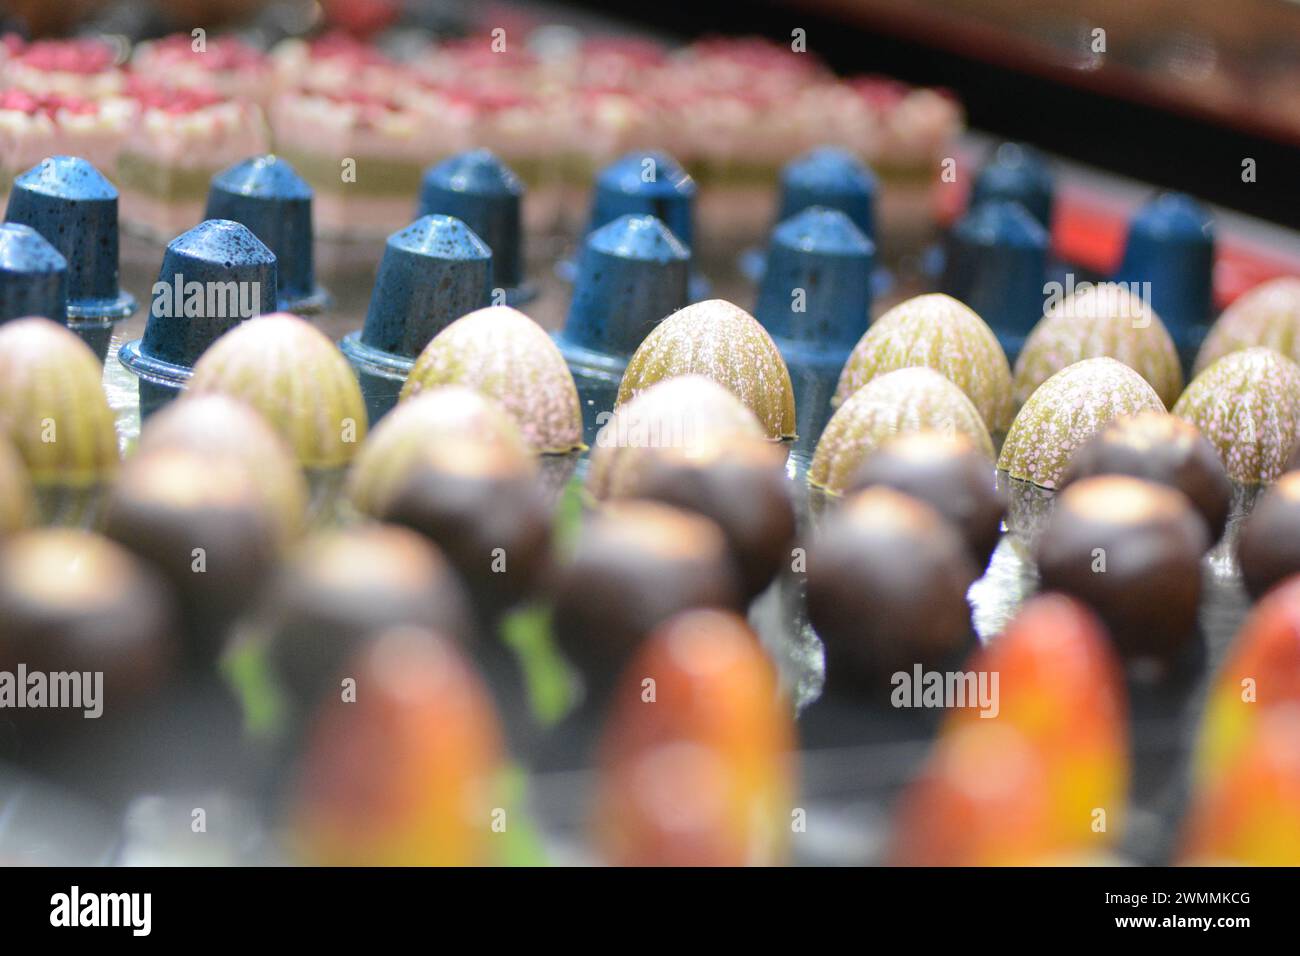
<point>1167,450</point>
<point>1131,549</point>
<point>887,583</point>
<point>951,475</point>
<point>1269,546</point>
<point>483,506</point>
<point>739,484</point>
<point>636,564</point>
<point>207,523</point>
<point>344,586</point>
<point>70,601</point>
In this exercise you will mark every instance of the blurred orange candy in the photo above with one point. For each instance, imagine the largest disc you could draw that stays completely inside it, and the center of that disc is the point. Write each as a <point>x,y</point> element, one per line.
<point>404,775</point>
<point>696,761</point>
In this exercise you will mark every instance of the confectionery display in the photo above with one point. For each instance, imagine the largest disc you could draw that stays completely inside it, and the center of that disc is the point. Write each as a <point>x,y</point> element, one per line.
<point>587,446</point>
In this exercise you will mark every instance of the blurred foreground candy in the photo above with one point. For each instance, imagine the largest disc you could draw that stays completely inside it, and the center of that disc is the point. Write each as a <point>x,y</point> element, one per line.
<point>1260,674</point>
<point>274,202</point>
<point>1248,814</point>
<point>403,774</point>
<point>1268,546</point>
<point>696,764</point>
<point>632,273</point>
<point>433,272</point>
<point>287,370</point>
<point>53,407</point>
<point>71,204</point>
<point>212,278</point>
<point>815,300</point>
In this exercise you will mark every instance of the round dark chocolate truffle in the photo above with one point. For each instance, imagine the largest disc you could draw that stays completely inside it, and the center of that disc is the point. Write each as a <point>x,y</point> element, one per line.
<point>73,601</point>
<point>207,523</point>
<point>482,505</point>
<point>740,484</point>
<point>887,583</point>
<point>1130,549</point>
<point>343,586</point>
<point>1169,451</point>
<point>636,564</point>
<point>951,475</point>
<point>1269,546</point>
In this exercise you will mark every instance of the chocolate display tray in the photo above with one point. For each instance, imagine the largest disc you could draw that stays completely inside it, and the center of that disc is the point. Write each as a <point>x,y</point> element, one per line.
<point>854,758</point>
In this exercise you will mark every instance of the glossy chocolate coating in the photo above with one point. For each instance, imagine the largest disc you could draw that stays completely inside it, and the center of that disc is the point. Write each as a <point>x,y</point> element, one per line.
<point>1164,449</point>
<point>482,505</point>
<point>887,583</point>
<point>344,586</point>
<point>1149,540</point>
<point>636,564</point>
<point>950,475</point>
<point>1269,547</point>
<point>741,486</point>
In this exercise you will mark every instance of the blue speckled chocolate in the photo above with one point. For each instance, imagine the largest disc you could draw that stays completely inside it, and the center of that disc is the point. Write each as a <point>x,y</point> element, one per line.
<point>71,204</point>
<point>646,184</point>
<point>486,195</point>
<point>815,300</point>
<point>633,272</point>
<point>997,264</point>
<point>1171,245</point>
<point>433,272</point>
<point>33,275</point>
<point>212,278</point>
<point>835,179</point>
<point>1021,174</point>
<point>268,196</point>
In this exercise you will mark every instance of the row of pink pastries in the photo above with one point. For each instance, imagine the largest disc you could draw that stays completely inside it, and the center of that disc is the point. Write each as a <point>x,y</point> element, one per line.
<point>361,126</point>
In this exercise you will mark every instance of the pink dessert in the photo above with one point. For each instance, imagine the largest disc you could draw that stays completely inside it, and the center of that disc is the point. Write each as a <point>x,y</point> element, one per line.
<point>336,63</point>
<point>36,125</point>
<point>181,137</point>
<point>227,65</point>
<point>83,67</point>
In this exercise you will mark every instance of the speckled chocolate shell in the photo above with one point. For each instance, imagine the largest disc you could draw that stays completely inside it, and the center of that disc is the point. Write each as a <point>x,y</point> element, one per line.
<point>679,413</point>
<point>291,373</point>
<point>908,400</point>
<point>1248,405</point>
<point>1067,410</point>
<point>52,404</point>
<point>507,356</point>
<point>723,342</point>
<point>401,437</point>
<point>1102,320</point>
<point>1267,315</point>
<point>227,429</point>
<point>15,490</point>
<point>935,331</point>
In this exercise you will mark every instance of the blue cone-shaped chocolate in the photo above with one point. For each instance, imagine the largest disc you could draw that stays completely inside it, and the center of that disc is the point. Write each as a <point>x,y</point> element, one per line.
<point>633,272</point>
<point>433,272</point>
<point>1021,174</point>
<point>486,195</point>
<point>646,184</point>
<point>212,278</point>
<point>832,178</point>
<point>815,300</point>
<point>71,204</point>
<point>33,275</point>
<point>997,264</point>
<point>1171,246</point>
<point>268,196</point>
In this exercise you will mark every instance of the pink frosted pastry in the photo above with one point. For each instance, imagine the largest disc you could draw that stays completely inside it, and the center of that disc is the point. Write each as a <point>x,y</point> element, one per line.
<point>81,67</point>
<point>226,65</point>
